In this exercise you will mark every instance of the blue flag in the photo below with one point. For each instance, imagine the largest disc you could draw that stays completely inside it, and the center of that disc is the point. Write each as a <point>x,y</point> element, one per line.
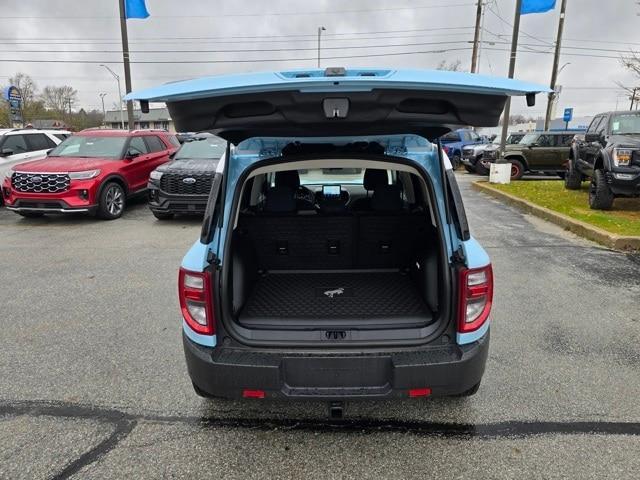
<point>537,6</point>
<point>135,9</point>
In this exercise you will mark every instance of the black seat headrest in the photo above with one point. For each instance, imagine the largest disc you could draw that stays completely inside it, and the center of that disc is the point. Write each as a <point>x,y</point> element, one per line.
<point>374,178</point>
<point>280,199</point>
<point>288,178</point>
<point>386,198</point>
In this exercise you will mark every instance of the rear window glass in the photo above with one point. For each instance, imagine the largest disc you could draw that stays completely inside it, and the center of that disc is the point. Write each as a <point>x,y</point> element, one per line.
<point>155,144</point>
<point>39,141</point>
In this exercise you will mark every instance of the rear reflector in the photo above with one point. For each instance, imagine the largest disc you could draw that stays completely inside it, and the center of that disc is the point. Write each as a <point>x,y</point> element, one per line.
<point>419,392</point>
<point>475,298</point>
<point>253,393</point>
<point>196,303</point>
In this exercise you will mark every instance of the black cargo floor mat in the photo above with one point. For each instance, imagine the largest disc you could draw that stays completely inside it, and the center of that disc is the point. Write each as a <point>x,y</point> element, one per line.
<point>312,300</point>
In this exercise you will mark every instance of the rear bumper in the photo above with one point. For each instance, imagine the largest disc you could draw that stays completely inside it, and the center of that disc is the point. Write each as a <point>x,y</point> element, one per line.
<point>226,372</point>
<point>163,202</point>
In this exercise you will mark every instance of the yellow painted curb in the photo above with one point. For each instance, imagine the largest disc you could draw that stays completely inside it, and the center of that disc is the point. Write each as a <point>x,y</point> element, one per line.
<point>611,240</point>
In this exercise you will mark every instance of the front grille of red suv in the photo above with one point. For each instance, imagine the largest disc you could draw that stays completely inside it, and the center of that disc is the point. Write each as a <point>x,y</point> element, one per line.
<point>40,182</point>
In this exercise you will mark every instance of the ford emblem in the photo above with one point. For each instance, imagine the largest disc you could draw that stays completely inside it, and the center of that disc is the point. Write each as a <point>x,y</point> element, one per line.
<point>36,179</point>
<point>189,180</point>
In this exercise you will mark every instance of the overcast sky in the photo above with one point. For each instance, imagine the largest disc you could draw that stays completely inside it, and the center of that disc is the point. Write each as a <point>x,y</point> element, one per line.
<point>89,31</point>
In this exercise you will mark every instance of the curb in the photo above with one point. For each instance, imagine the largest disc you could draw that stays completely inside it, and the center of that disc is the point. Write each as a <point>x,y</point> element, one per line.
<point>611,240</point>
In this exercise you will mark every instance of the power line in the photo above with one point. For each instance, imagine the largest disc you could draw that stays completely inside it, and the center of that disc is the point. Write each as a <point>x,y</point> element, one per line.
<point>264,14</point>
<point>521,31</point>
<point>294,49</point>
<point>254,60</point>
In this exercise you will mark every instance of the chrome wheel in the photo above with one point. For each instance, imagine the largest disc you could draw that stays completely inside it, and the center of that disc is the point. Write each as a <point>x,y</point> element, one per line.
<point>114,200</point>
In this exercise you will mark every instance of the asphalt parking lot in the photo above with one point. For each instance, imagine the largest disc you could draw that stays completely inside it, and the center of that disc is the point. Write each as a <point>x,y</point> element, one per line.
<point>93,381</point>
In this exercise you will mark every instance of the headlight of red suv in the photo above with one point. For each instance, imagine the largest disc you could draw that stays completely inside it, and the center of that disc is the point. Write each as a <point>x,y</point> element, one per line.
<point>86,175</point>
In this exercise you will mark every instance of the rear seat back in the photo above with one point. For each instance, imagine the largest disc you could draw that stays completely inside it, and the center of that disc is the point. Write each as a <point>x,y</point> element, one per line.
<point>297,242</point>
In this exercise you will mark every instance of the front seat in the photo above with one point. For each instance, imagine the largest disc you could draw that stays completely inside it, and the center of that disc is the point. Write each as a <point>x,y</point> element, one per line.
<point>291,179</point>
<point>373,179</point>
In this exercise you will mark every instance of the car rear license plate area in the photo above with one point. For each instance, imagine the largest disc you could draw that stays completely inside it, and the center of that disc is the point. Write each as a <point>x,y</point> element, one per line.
<point>305,376</point>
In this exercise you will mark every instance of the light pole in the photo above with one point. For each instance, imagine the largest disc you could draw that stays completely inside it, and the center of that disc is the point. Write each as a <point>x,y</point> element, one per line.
<point>104,113</point>
<point>320,30</point>
<point>119,94</point>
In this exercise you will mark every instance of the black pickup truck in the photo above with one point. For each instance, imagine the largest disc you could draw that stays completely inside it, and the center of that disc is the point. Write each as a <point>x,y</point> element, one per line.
<point>609,156</point>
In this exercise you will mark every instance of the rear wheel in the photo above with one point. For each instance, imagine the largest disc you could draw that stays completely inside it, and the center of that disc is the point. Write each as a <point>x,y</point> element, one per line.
<point>163,216</point>
<point>112,201</point>
<point>572,178</point>
<point>455,161</point>
<point>517,169</point>
<point>31,214</point>
<point>600,195</point>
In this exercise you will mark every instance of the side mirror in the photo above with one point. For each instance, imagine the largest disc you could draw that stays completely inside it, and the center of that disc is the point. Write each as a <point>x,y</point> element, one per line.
<point>591,137</point>
<point>48,151</point>
<point>131,154</point>
<point>531,145</point>
<point>172,155</point>
<point>5,152</point>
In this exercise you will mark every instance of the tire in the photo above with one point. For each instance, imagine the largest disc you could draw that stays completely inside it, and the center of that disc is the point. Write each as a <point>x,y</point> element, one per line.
<point>517,169</point>
<point>481,169</point>
<point>31,214</point>
<point>163,216</point>
<point>572,178</point>
<point>455,161</point>
<point>112,201</point>
<point>468,393</point>
<point>600,195</point>
<point>469,169</point>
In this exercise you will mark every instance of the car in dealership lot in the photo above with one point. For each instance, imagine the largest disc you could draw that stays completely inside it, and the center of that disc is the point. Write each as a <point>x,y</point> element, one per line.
<point>22,144</point>
<point>335,259</point>
<point>609,156</point>
<point>471,156</point>
<point>93,171</point>
<point>183,184</point>
<point>487,155</point>
<point>543,153</point>
<point>454,141</point>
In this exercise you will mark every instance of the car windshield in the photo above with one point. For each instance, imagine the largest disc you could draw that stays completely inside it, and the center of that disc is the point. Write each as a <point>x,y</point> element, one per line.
<point>625,123</point>
<point>450,137</point>
<point>529,138</point>
<point>90,147</point>
<point>204,147</point>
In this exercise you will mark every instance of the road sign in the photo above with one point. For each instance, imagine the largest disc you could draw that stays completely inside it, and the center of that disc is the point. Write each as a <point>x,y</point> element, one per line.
<point>568,114</point>
<point>12,96</point>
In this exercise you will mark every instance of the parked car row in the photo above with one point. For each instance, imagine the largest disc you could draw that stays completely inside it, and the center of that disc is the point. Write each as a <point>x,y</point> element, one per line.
<point>96,171</point>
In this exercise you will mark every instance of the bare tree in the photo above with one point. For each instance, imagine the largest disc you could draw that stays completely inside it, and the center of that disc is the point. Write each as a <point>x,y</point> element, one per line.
<point>28,90</point>
<point>632,63</point>
<point>59,99</point>
<point>454,66</point>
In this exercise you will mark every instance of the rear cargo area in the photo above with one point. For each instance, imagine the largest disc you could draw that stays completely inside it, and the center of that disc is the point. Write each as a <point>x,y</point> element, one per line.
<point>358,299</point>
<point>348,267</point>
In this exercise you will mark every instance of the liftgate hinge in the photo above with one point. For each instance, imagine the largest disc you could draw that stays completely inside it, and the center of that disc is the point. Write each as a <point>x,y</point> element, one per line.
<point>212,259</point>
<point>458,255</point>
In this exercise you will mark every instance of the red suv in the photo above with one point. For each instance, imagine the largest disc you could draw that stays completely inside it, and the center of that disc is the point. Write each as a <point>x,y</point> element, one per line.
<point>93,171</point>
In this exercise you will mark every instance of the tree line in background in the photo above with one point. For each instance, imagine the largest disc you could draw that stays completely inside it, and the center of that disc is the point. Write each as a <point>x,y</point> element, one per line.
<point>51,103</point>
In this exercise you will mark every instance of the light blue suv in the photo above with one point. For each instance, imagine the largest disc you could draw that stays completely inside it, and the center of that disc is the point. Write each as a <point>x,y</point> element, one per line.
<point>335,259</point>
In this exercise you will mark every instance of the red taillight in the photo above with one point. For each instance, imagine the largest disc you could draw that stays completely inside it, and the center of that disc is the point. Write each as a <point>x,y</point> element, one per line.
<point>476,296</point>
<point>253,393</point>
<point>194,290</point>
<point>419,392</point>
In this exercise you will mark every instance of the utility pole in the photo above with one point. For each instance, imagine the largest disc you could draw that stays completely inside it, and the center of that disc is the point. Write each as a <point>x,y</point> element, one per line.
<point>125,59</point>
<point>115,75</point>
<point>554,73</point>
<point>320,30</point>
<point>512,68</point>
<point>476,38</point>
<point>633,98</point>
<point>104,113</point>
